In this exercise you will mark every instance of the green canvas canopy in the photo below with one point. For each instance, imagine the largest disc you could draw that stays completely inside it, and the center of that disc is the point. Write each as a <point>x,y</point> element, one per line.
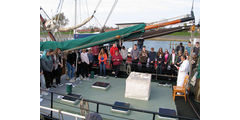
<point>94,40</point>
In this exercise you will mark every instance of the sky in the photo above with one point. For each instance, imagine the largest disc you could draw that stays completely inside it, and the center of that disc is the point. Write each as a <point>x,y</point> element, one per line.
<point>126,11</point>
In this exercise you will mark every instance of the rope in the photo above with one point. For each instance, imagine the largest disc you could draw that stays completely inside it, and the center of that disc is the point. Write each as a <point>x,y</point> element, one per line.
<point>98,22</point>
<point>97,6</point>
<point>114,5</point>
<point>193,107</point>
<point>60,113</point>
<point>128,69</point>
<point>84,107</point>
<point>44,12</point>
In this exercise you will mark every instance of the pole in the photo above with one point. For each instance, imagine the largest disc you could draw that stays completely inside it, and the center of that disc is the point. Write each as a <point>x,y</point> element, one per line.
<point>75,16</point>
<point>51,103</point>
<point>191,52</point>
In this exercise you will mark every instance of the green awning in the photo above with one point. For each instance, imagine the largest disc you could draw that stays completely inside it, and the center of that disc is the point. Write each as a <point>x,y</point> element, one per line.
<point>94,40</point>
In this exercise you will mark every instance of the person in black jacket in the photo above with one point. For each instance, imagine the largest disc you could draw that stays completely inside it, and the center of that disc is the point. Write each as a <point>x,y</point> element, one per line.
<point>79,66</point>
<point>152,58</point>
<point>71,63</point>
<point>180,47</point>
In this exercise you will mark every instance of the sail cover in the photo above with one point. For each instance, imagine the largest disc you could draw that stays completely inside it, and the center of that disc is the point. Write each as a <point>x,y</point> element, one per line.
<point>94,40</point>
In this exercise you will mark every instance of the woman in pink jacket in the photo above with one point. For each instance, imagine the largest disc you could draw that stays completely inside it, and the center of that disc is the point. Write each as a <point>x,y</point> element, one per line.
<point>117,61</point>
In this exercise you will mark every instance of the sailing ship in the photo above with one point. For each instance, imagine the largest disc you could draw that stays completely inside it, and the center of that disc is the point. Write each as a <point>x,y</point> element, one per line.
<point>90,100</point>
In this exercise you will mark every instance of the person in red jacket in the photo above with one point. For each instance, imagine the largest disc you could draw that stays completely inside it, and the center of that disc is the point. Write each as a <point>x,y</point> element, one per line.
<point>113,49</point>
<point>117,60</point>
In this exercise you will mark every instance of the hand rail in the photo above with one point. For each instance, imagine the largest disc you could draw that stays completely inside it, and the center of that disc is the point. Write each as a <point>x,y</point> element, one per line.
<point>133,109</point>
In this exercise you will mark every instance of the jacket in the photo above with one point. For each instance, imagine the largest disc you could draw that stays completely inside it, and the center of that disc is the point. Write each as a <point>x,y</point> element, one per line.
<point>178,48</point>
<point>143,56</point>
<point>152,56</point>
<point>84,57</point>
<point>90,57</point>
<point>117,60</point>
<point>124,53</point>
<point>71,58</point>
<point>134,53</point>
<point>112,50</point>
<point>47,65</point>
<point>170,59</point>
<point>104,58</point>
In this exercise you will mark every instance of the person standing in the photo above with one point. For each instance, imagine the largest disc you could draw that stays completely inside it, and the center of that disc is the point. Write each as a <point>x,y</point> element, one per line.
<point>160,59</point>
<point>102,57</point>
<point>186,54</point>
<point>71,59</point>
<point>196,49</point>
<point>124,53</point>
<point>95,52</point>
<point>180,47</point>
<point>179,61</point>
<point>143,56</point>
<point>117,60</point>
<point>172,62</point>
<point>182,71</point>
<point>152,57</point>
<point>91,59</point>
<point>188,48</point>
<point>47,67</point>
<point>85,63</point>
<point>140,43</point>
<point>166,60</point>
<point>58,65</point>
<point>113,49</point>
<point>135,55</point>
<point>79,66</point>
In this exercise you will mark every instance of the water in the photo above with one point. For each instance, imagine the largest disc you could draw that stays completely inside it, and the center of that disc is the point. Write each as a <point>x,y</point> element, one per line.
<point>156,45</point>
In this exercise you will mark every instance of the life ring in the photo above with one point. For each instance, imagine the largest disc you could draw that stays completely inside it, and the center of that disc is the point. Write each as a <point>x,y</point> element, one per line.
<point>84,107</point>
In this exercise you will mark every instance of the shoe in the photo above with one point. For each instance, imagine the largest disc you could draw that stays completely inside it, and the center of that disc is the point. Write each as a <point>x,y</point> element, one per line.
<point>44,93</point>
<point>100,76</point>
<point>72,80</point>
<point>113,72</point>
<point>115,76</point>
<point>104,77</point>
<point>78,78</point>
<point>84,79</point>
<point>48,89</point>
<point>60,84</point>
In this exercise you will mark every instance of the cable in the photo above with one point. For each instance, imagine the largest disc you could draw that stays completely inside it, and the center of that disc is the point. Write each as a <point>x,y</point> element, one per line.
<point>97,6</point>
<point>114,5</point>
<point>193,107</point>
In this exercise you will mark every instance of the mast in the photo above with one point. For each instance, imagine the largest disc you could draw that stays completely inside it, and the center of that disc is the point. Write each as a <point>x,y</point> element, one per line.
<point>75,16</point>
<point>192,36</point>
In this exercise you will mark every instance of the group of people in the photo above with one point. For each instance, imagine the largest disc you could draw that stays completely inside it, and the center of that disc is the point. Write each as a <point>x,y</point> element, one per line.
<point>51,65</point>
<point>163,61</point>
<point>80,62</point>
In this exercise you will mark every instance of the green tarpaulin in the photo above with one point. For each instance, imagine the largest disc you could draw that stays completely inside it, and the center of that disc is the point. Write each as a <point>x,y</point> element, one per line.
<point>94,40</point>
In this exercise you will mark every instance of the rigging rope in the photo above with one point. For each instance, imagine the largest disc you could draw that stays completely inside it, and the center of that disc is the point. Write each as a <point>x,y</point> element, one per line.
<point>114,5</point>
<point>44,12</point>
<point>97,6</point>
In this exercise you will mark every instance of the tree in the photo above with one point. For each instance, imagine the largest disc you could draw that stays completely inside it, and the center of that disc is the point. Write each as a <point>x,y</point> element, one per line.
<point>60,19</point>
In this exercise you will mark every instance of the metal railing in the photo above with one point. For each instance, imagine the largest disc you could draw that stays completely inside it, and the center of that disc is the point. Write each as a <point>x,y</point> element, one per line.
<point>111,105</point>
